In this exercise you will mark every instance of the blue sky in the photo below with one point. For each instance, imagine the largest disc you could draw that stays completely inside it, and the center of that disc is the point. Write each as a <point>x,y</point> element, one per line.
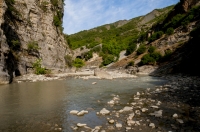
<point>86,14</point>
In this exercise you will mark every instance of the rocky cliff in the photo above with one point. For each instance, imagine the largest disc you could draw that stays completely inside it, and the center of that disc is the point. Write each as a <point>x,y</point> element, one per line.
<point>31,30</point>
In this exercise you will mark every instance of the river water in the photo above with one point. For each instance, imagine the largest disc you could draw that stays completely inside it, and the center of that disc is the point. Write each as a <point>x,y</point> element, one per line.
<point>45,106</point>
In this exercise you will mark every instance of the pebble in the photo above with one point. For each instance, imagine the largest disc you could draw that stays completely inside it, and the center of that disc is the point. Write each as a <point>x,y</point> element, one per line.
<point>81,125</point>
<point>175,115</point>
<point>111,121</point>
<point>152,125</point>
<point>74,112</point>
<point>180,121</point>
<point>118,125</point>
<point>104,111</point>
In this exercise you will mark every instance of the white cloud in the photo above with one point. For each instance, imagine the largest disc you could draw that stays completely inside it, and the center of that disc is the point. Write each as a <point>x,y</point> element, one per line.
<point>86,14</point>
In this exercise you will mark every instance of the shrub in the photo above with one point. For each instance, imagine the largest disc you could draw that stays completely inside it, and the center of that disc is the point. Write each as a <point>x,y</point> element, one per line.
<point>141,49</point>
<point>107,59</point>
<point>131,63</point>
<point>88,55</point>
<point>170,31</point>
<point>38,68</point>
<point>78,63</point>
<point>43,6</point>
<point>131,48</point>
<point>15,44</point>
<point>68,61</point>
<point>54,3</point>
<point>147,59</point>
<point>156,56</point>
<point>156,36</point>
<point>32,46</point>
<point>57,22</point>
<point>151,49</point>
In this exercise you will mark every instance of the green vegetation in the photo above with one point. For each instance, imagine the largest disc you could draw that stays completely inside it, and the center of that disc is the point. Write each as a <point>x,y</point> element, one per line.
<point>54,3</point>
<point>78,63</point>
<point>57,22</point>
<point>33,46</point>
<point>170,31</point>
<point>151,49</point>
<point>131,48</point>
<point>155,36</point>
<point>141,49</point>
<point>15,44</point>
<point>150,58</point>
<point>68,61</point>
<point>38,68</point>
<point>88,55</point>
<point>43,6</point>
<point>12,11</point>
<point>107,59</point>
<point>131,63</point>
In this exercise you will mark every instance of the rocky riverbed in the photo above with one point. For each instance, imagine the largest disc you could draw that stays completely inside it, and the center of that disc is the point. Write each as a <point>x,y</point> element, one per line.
<point>173,107</point>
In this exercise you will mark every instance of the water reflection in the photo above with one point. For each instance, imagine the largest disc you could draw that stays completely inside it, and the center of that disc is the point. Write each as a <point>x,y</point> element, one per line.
<point>45,106</point>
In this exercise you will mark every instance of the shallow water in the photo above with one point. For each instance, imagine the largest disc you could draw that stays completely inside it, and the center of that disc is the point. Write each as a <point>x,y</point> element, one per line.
<point>45,106</point>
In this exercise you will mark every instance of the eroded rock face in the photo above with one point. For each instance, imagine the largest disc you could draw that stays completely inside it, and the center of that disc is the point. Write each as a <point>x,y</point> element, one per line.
<point>31,21</point>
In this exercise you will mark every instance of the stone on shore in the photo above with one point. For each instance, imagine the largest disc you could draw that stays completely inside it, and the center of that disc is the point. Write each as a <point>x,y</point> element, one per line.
<point>74,112</point>
<point>102,74</point>
<point>111,121</point>
<point>152,125</point>
<point>127,108</point>
<point>118,125</point>
<point>104,111</point>
<point>81,113</point>
<point>175,115</point>
<point>157,113</point>
<point>180,121</point>
<point>81,125</point>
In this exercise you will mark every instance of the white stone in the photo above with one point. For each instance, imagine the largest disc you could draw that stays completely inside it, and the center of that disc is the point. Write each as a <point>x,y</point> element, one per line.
<point>104,111</point>
<point>81,113</point>
<point>144,109</point>
<point>130,122</point>
<point>128,128</point>
<point>133,103</point>
<point>136,98</point>
<point>175,115</point>
<point>180,121</point>
<point>74,112</point>
<point>152,125</point>
<point>127,108</point>
<point>118,125</point>
<point>94,83</point>
<point>137,112</point>
<point>157,113</point>
<point>156,107</point>
<point>138,93</point>
<point>81,125</point>
<point>137,123</point>
<point>112,102</point>
<point>111,121</point>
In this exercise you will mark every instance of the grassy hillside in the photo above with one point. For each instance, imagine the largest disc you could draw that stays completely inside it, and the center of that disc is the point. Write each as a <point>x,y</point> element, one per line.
<point>117,36</point>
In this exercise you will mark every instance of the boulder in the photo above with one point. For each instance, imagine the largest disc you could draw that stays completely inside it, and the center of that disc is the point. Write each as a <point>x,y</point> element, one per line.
<point>104,111</point>
<point>102,74</point>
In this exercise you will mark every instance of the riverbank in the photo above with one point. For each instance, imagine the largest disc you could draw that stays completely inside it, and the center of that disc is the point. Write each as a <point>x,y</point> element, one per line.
<point>80,74</point>
<point>172,107</point>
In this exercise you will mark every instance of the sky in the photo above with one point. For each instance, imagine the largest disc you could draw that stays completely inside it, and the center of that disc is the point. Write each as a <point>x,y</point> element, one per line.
<point>86,14</point>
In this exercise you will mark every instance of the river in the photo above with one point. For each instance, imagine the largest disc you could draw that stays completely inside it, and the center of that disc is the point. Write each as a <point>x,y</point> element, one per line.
<point>45,106</point>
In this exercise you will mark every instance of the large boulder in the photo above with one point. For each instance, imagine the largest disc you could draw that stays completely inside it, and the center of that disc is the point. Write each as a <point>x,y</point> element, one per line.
<point>102,74</point>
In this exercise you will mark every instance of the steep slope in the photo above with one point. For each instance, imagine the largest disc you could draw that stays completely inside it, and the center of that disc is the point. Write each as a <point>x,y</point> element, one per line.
<point>31,30</point>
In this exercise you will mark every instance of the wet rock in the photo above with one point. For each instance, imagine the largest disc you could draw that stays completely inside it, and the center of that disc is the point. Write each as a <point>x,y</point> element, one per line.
<point>104,111</point>
<point>118,125</point>
<point>81,113</point>
<point>127,108</point>
<point>130,122</point>
<point>175,115</point>
<point>94,83</point>
<point>112,102</point>
<point>180,121</point>
<point>138,93</point>
<point>81,125</point>
<point>111,121</point>
<point>137,112</point>
<point>155,107</point>
<point>157,113</point>
<point>128,128</point>
<point>74,112</point>
<point>152,125</point>
<point>144,110</point>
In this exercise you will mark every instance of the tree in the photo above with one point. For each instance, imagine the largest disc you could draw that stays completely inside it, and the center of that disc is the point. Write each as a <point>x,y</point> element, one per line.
<point>141,49</point>
<point>170,31</point>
